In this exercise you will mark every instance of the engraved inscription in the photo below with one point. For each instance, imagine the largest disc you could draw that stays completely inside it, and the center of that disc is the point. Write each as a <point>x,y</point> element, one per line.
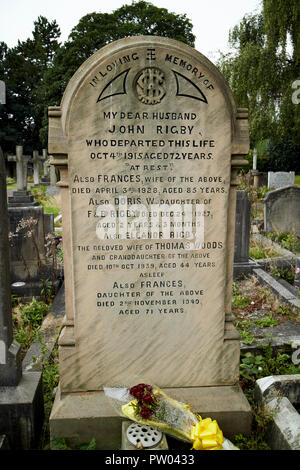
<point>149,85</point>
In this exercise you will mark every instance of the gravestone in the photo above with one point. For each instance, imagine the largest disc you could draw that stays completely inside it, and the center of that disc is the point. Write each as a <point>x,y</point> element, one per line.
<point>297,275</point>
<point>280,179</point>
<point>24,261</point>
<point>45,180</point>
<point>36,167</point>
<point>282,210</point>
<point>2,92</point>
<point>53,178</point>
<point>21,197</point>
<point>255,172</point>
<point>24,258</point>
<point>147,126</point>
<point>10,363</point>
<point>21,398</point>
<point>242,263</point>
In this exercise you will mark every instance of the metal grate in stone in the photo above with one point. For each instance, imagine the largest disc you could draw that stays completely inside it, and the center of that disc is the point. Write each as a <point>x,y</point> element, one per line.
<point>145,435</point>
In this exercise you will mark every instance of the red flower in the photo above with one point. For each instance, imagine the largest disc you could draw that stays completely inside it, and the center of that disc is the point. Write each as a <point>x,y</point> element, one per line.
<point>148,399</point>
<point>139,394</point>
<point>145,412</point>
<point>141,387</point>
<point>133,391</point>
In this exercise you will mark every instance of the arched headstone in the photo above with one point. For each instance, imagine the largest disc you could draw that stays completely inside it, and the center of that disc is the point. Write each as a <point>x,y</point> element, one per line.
<point>148,125</point>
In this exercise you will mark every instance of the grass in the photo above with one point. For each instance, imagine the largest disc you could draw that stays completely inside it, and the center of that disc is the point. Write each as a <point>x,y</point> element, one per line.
<point>255,308</point>
<point>27,319</point>
<point>289,241</point>
<point>267,321</point>
<point>257,250</point>
<point>281,273</point>
<point>297,179</point>
<point>51,204</point>
<point>253,367</point>
<point>11,183</point>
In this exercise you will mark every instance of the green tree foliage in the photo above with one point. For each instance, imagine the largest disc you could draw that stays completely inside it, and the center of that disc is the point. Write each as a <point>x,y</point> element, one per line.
<point>23,70</point>
<point>284,155</point>
<point>95,30</point>
<point>262,68</point>
<point>38,70</point>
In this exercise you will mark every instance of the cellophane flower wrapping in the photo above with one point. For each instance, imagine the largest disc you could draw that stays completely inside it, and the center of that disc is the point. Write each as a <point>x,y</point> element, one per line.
<point>147,404</point>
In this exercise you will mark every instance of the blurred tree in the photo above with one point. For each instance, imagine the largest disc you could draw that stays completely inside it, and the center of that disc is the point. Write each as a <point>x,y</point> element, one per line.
<point>38,70</point>
<point>23,69</point>
<point>262,69</point>
<point>95,30</point>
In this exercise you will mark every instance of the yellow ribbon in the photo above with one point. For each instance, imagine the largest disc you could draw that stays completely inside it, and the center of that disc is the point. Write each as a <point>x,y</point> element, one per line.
<point>206,435</point>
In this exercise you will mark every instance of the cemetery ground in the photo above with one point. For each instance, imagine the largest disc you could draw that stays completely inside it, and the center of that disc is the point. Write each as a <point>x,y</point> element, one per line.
<point>260,317</point>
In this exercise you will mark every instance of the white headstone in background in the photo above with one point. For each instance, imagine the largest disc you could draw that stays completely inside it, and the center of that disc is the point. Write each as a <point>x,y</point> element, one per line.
<point>36,167</point>
<point>280,179</point>
<point>2,92</point>
<point>255,159</point>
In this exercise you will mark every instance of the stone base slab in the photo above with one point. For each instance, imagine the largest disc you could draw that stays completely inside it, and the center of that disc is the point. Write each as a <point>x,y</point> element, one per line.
<point>22,412</point>
<point>80,417</point>
<point>244,268</point>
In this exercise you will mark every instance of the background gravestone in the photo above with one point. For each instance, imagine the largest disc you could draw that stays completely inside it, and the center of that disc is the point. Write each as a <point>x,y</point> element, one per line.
<point>45,180</point>
<point>280,179</point>
<point>24,262</point>
<point>36,167</point>
<point>242,227</point>
<point>152,119</point>
<point>21,398</point>
<point>243,265</point>
<point>2,92</point>
<point>10,363</point>
<point>282,210</point>
<point>21,197</point>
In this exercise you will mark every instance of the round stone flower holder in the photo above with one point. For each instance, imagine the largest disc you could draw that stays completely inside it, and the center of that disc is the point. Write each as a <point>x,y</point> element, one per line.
<point>142,437</point>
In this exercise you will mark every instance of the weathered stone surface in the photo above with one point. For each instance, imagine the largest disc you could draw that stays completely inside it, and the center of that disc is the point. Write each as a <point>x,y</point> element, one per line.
<point>2,92</point>
<point>22,411</point>
<point>10,359</point>
<point>23,248</point>
<point>280,179</point>
<point>36,167</point>
<point>173,143</point>
<point>272,386</point>
<point>147,124</point>
<point>242,227</point>
<point>278,394</point>
<point>80,417</point>
<point>280,291</point>
<point>284,433</point>
<point>282,210</point>
<point>21,398</point>
<point>243,265</point>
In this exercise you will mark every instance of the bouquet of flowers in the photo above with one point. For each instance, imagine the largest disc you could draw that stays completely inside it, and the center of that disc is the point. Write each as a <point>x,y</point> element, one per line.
<point>148,404</point>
